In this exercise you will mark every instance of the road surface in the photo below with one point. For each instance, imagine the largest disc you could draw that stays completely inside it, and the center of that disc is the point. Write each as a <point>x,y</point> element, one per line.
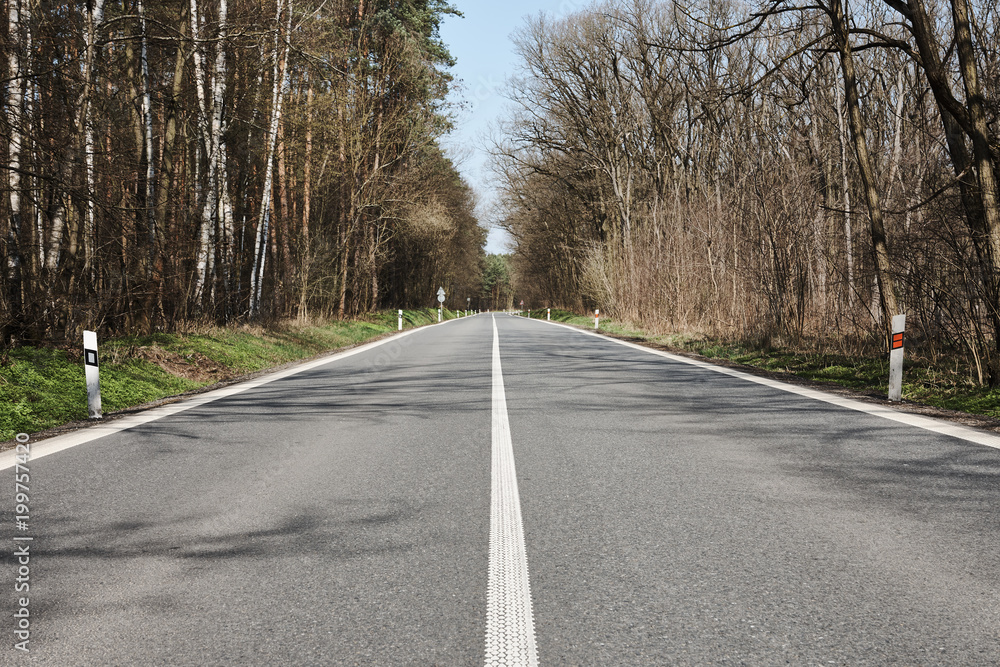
<point>582,502</point>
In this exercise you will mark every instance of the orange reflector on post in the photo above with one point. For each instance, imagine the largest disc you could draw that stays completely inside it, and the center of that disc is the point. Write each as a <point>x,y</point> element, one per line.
<point>896,358</point>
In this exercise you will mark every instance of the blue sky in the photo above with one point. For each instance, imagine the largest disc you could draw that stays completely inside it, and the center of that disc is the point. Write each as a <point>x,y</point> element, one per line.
<point>481,43</point>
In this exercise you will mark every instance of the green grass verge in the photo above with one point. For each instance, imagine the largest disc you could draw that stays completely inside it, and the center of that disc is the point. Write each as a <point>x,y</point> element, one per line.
<point>942,385</point>
<point>41,388</point>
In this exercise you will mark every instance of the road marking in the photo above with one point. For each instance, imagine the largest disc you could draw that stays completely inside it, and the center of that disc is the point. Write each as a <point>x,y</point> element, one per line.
<point>62,442</point>
<point>510,626</point>
<point>919,421</point>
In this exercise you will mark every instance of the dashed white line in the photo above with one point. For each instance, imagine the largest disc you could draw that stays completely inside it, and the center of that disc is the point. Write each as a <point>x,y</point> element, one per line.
<point>510,625</point>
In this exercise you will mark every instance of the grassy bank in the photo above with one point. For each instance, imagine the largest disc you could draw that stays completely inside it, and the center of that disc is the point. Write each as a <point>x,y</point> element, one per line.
<point>44,387</point>
<point>943,382</point>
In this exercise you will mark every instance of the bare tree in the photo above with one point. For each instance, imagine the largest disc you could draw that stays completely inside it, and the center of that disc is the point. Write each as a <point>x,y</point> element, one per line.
<point>280,85</point>
<point>17,18</point>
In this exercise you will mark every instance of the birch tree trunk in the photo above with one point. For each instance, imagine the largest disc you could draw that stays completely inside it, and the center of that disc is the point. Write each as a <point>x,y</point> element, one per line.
<point>82,138</point>
<point>201,261</point>
<point>38,240</point>
<point>263,226</point>
<point>89,229</point>
<point>224,214</point>
<point>210,126</point>
<point>16,77</point>
<point>147,122</point>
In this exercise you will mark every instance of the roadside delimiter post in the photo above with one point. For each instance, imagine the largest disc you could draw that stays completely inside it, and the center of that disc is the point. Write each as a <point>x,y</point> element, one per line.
<point>896,358</point>
<point>400,320</point>
<point>92,374</point>
<point>597,317</point>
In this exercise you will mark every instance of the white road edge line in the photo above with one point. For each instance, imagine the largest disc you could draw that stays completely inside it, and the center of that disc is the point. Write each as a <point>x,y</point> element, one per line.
<point>510,625</point>
<point>85,435</point>
<point>919,421</point>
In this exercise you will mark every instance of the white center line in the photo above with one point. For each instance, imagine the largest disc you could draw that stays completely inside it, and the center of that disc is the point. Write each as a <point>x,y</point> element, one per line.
<point>510,626</point>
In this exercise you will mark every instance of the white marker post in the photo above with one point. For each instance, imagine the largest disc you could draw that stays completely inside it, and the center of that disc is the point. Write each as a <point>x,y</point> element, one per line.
<point>597,317</point>
<point>400,320</point>
<point>548,314</point>
<point>93,376</point>
<point>896,358</point>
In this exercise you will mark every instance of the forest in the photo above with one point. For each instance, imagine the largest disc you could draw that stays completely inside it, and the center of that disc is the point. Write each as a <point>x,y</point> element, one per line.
<point>774,171</point>
<point>226,160</point>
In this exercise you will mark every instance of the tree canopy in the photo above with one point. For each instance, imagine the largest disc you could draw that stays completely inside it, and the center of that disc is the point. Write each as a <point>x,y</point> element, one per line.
<point>225,159</point>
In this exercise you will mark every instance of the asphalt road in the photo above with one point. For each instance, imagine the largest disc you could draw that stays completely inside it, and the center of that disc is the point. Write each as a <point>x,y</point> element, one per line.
<point>672,515</point>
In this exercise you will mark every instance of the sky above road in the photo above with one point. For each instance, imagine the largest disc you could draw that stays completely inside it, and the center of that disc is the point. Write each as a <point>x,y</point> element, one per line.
<point>482,46</point>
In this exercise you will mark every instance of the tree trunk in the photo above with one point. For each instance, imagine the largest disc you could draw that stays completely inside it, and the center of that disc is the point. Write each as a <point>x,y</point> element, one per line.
<point>346,211</point>
<point>286,249</point>
<point>978,187</point>
<point>846,199</point>
<point>263,226</point>
<point>305,254</point>
<point>224,210</point>
<point>985,173</point>
<point>95,17</point>
<point>216,218</point>
<point>205,223</point>
<point>880,252</point>
<point>147,122</point>
<point>16,77</point>
<point>168,147</point>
